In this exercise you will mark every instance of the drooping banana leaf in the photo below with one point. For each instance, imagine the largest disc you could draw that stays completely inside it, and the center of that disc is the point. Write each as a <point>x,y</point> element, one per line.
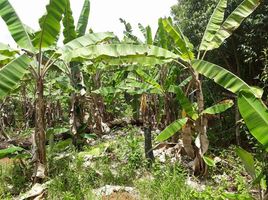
<point>12,73</point>
<point>214,24</point>
<point>171,129</point>
<point>181,41</point>
<point>50,24</point>
<point>255,115</point>
<point>232,22</point>
<point>218,108</point>
<point>83,19</point>
<point>222,76</point>
<point>247,160</point>
<point>184,101</point>
<point>15,26</point>
<point>68,24</point>
<point>86,40</point>
<point>104,52</point>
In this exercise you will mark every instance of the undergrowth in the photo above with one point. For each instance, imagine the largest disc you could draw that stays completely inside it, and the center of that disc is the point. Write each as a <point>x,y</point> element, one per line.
<point>120,161</point>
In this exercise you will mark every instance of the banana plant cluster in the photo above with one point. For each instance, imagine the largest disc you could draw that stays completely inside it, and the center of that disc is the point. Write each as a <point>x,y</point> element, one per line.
<point>39,52</point>
<point>252,109</point>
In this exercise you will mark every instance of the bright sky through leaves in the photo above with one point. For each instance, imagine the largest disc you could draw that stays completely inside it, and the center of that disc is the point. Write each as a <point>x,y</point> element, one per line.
<point>104,14</point>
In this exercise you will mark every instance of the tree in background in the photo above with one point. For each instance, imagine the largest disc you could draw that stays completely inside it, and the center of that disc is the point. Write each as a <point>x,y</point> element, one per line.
<point>241,53</point>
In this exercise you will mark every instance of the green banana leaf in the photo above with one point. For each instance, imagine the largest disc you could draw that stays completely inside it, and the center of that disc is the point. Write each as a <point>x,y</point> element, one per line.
<point>149,37</point>
<point>142,30</point>
<point>83,19</point>
<point>9,151</point>
<point>223,77</point>
<point>171,129</point>
<point>184,101</point>
<point>105,91</point>
<point>218,108</point>
<point>132,86</point>
<point>6,50</point>
<point>148,79</point>
<point>255,115</point>
<point>50,24</point>
<point>68,24</point>
<point>86,40</point>
<point>12,73</point>
<point>247,160</point>
<point>214,24</point>
<point>104,52</point>
<point>161,36</point>
<point>185,81</point>
<point>182,42</point>
<point>232,22</point>
<point>209,161</point>
<point>5,59</point>
<point>132,61</point>
<point>15,26</point>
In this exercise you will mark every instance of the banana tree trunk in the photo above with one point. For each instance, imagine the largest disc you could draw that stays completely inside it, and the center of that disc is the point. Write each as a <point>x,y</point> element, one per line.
<point>148,143</point>
<point>201,142</point>
<point>146,112</point>
<point>76,113</point>
<point>237,129</point>
<point>40,170</point>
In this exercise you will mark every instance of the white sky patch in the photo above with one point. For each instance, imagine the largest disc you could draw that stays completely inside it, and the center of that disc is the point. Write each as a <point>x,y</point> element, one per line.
<point>104,14</point>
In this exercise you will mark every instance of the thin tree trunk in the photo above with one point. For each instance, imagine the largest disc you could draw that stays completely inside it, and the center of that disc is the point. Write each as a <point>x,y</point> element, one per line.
<point>237,129</point>
<point>146,112</point>
<point>200,166</point>
<point>40,161</point>
<point>148,143</point>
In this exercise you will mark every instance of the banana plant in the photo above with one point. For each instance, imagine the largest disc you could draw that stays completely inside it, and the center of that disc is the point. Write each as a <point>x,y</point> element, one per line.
<point>38,58</point>
<point>33,61</point>
<point>216,32</point>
